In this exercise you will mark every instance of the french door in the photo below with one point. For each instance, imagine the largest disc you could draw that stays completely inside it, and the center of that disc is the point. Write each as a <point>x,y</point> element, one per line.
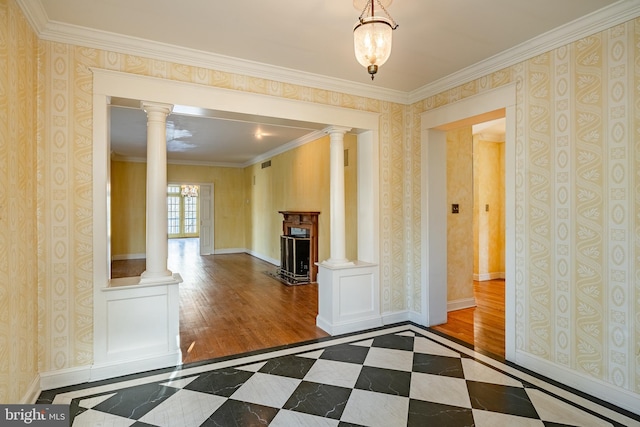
<point>183,212</point>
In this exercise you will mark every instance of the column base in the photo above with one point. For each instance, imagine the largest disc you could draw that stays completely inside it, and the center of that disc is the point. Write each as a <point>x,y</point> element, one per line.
<point>168,277</point>
<point>332,262</point>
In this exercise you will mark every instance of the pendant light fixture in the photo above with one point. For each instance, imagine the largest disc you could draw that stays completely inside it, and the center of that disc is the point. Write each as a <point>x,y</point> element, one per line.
<point>372,34</point>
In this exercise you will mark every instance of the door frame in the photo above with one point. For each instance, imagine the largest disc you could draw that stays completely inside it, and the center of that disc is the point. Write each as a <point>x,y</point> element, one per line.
<point>434,124</point>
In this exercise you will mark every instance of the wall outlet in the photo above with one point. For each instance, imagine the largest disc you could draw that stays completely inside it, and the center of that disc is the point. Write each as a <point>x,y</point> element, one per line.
<point>455,208</point>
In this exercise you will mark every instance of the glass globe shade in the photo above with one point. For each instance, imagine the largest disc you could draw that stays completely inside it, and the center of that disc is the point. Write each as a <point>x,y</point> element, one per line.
<point>372,41</point>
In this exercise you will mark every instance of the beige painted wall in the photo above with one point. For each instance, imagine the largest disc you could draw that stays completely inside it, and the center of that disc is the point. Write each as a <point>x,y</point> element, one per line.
<point>298,180</point>
<point>460,225</point>
<point>19,288</point>
<point>128,191</point>
<point>245,215</point>
<point>128,208</point>
<point>488,226</point>
<point>577,255</point>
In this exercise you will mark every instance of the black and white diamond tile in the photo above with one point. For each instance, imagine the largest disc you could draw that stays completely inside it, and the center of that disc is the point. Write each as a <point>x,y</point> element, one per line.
<point>395,377</point>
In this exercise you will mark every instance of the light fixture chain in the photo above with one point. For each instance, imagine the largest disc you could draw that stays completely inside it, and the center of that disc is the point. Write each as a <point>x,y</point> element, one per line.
<point>384,9</point>
<point>395,25</point>
<point>366,6</point>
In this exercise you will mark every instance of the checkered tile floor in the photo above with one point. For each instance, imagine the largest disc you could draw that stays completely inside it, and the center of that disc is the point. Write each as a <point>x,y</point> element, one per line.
<point>400,376</point>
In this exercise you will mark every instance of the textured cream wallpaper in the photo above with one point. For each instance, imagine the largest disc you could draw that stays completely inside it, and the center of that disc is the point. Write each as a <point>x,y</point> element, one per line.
<point>65,324</point>
<point>18,232</point>
<point>577,194</point>
<point>577,202</point>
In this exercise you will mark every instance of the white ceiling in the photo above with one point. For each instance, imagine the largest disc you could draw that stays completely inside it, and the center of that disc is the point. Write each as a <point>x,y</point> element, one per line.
<point>310,41</point>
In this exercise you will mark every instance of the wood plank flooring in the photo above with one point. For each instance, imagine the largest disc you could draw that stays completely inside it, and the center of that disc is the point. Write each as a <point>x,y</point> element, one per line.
<point>228,305</point>
<point>483,325</point>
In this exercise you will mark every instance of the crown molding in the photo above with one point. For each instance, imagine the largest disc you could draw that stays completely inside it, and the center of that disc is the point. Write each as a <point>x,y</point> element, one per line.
<point>130,159</point>
<point>76,35</point>
<point>35,14</point>
<point>310,137</point>
<point>617,13</point>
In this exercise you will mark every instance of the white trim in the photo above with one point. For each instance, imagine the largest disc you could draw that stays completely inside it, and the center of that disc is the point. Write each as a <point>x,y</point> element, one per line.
<point>75,35</point>
<point>460,304</point>
<point>124,257</point>
<point>65,377</point>
<point>33,392</point>
<point>275,262</point>
<point>602,390</point>
<point>83,374</point>
<point>108,84</point>
<point>391,318</point>
<point>132,366</point>
<point>434,296</point>
<point>310,137</point>
<point>619,12</point>
<point>339,328</point>
<point>489,276</point>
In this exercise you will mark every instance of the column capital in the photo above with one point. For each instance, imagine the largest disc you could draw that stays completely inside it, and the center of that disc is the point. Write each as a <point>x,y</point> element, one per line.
<point>156,107</point>
<point>336,129</point>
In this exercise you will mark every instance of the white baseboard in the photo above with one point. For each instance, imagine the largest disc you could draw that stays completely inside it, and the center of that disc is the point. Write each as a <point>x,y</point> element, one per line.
<point>348,327</point>
<point>84,374</point>
<point>275,262</point>
<point>489,276</point>
<point>395,317</point>
<point>126,367</point>
<point>460,304</point>
<point>602,390</point>
<point>124,257</point>
<point>418,318</point>
<point>33,391</point>
<point>229,251</point>
<point>65,377</point>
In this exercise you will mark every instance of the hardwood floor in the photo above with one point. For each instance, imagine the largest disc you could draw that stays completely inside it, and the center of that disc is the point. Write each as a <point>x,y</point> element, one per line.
<point>483,325</point>
<point>228,305</point>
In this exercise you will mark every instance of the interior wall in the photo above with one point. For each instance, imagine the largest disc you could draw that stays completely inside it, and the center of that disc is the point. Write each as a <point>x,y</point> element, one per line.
<point>298,180</point>
<point>228,200</point>
<point>19,285</point>
<point>488,223</point>
<point>576,252</point>
<point>128,204</point>
<point>576,186</point>
<point>460,225</point>
<point>128,209</point>
<point>66,105</point>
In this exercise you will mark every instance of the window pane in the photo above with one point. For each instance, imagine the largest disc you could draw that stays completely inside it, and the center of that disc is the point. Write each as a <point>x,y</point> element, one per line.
<point>190,215</point>
<point>173,214</point>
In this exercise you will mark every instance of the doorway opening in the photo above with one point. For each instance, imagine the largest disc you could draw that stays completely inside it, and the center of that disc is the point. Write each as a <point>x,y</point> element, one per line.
<point>489,105</point>
<point>109,85</point>
<point>476,270</point>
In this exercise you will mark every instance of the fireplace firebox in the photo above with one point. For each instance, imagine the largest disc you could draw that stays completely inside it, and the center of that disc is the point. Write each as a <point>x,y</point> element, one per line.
<point>299,247</point>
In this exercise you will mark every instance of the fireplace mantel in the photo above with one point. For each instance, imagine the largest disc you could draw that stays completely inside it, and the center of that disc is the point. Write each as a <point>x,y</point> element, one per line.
<point>309,221</point>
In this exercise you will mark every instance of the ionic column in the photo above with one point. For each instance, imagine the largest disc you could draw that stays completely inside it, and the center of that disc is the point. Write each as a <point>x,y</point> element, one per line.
<point>336,197</point>
<point>157,244</point>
